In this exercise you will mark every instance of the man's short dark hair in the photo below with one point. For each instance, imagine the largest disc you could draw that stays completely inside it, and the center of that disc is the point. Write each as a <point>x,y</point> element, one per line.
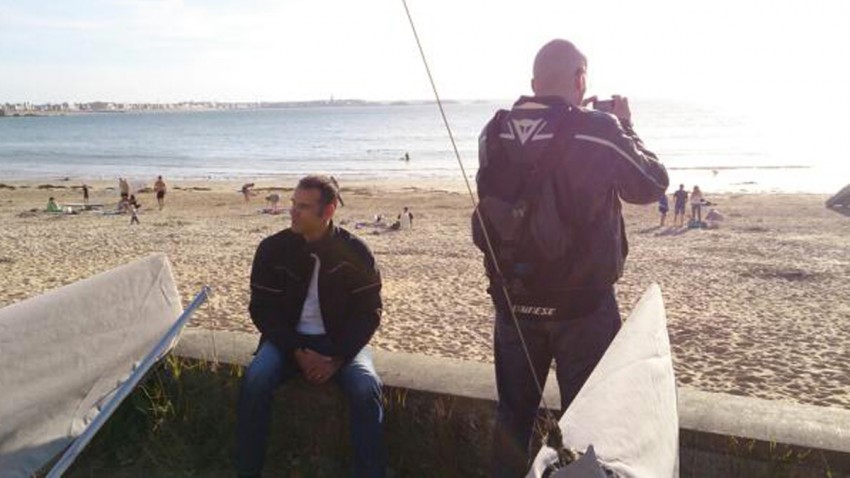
<point>327,186</point>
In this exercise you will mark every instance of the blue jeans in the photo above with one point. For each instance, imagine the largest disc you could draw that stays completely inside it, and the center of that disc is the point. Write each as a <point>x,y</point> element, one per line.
<point>360,384</point>
<point>576,345</point>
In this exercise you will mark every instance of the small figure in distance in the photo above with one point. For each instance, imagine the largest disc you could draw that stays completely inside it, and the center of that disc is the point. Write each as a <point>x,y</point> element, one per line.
<point>663,207</point>
<point>160,188</point>
<point>247,191</point>
<point>272,201</point>
<point>52,206</point>
<point>696,205</point>
<point>680,198</point>
<point>405,219</point>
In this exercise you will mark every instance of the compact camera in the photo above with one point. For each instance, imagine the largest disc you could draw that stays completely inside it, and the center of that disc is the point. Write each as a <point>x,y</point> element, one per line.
<point>604,105</point>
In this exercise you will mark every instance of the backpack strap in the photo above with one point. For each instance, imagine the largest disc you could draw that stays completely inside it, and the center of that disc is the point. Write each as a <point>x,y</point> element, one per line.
<point>494,129</point>
<point>494,148</point>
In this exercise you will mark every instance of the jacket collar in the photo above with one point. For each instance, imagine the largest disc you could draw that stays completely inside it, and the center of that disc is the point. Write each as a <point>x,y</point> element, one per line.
<point>531,102</point>
<point>322,244</point>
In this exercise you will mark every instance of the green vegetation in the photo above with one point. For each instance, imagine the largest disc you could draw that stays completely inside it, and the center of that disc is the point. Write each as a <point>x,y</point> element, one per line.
<point>181,423</point>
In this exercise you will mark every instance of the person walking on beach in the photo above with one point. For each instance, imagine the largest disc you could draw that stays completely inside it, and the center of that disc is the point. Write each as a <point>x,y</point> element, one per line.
<point>663,207</point>
<point>85,195</point>
<point>160,188</point>
<point>696,206</point>
<point>133,207</point>
<point>247,191</point>
<point>315,321</point>
<point>680,199</point>
<point>554,172</point>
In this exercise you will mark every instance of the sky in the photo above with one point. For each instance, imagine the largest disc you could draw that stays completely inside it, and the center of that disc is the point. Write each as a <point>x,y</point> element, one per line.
<point>782,64</point>
<point>741,52</point>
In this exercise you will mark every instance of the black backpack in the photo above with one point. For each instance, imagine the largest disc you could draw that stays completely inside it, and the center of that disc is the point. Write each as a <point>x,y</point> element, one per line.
<point>521,209</point>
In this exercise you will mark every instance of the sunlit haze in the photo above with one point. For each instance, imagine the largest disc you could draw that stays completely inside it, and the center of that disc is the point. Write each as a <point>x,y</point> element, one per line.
<point>782,62</point>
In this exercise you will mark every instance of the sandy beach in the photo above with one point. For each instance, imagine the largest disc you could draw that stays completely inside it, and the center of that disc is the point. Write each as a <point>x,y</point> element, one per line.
<point>759,307</point>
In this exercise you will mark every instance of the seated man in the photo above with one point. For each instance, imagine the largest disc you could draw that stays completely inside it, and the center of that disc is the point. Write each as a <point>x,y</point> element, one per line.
<point>316,299</point>
<point>52,206</point>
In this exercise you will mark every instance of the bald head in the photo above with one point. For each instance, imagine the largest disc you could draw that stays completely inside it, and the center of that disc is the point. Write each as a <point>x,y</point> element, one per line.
<point>559,71</point>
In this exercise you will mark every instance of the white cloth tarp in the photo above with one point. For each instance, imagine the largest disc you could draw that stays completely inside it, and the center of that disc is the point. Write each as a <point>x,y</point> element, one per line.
<point>64,353</point>
<point>627,408</point>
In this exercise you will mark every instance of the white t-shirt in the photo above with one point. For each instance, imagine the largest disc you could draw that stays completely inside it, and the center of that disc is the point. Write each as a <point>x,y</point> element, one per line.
<point>311,322</point>
<point>404,220</point>
<point>696,199</point>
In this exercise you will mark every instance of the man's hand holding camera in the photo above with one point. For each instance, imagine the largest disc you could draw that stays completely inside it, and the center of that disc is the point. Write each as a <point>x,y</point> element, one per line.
<point>617,106</point>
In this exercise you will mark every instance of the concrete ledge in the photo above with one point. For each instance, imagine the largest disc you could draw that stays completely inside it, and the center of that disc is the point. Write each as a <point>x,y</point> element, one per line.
<point>781,422</point>
<point>421,373</point>
<point>720,435</point>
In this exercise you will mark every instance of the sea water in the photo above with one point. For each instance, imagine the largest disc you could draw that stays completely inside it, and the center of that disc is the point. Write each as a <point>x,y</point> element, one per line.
<point>721,152</point>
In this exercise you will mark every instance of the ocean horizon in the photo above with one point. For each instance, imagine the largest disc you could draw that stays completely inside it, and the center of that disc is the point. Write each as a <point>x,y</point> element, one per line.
<point>721,152</point>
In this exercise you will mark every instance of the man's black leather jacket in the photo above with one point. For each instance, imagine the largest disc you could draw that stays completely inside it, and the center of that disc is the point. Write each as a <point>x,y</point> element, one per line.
<point>604,162</point>
<point>349,289</point>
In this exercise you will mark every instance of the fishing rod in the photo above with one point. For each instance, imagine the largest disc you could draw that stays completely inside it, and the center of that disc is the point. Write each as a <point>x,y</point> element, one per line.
<point>554,437</point>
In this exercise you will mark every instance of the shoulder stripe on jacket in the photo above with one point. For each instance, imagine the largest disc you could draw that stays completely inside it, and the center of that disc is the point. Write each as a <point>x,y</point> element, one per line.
<point>605,142</point>
<point>267,289</point>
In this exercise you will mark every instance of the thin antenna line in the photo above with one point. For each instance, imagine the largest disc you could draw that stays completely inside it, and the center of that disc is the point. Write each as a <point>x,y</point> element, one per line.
<point>490,248</point>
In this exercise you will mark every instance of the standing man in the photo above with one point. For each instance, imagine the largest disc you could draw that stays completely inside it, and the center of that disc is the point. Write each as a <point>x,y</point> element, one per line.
<point>85,195</point>
<point>247,191</point>
<point>663,207</point>
<point>680,198</point>
<point>124,187</point>
<point>696,207</point>
<point>160,189</point>
<point>316,300</point>
<point>405,219</point>
<point>551,178</point>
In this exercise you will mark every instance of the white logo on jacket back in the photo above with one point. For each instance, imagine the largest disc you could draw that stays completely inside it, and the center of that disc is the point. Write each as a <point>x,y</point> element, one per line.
<point>526,129</point>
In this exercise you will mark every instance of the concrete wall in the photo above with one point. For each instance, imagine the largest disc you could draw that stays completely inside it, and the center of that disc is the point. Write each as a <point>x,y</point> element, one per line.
<point>721,435</point>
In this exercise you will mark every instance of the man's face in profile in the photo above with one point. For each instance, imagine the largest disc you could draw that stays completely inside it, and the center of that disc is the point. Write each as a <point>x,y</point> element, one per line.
<point>307,212</point>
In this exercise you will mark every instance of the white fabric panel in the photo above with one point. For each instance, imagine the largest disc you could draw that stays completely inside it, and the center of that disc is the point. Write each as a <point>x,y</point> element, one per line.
<point>62,354</point>
<point>627,408</point>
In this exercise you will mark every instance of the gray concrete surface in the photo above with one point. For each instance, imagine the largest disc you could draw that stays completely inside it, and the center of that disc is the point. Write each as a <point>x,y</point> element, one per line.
<point>720,434</point>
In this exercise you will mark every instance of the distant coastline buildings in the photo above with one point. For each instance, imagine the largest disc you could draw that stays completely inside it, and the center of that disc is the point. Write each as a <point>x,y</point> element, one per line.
<point>46,109</point>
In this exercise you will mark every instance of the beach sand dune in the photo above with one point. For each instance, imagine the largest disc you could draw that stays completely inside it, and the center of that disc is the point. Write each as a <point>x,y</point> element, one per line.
<point>758,307</point>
